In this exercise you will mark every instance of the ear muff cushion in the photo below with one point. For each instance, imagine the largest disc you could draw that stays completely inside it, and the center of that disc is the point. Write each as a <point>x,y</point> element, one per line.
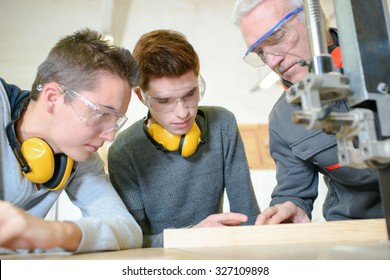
<point>40,158</point>
<point>191,141</point>
<point>63,169</point>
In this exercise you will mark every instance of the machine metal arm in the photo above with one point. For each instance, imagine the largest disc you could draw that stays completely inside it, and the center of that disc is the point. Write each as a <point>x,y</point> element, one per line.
<point>364,28</point>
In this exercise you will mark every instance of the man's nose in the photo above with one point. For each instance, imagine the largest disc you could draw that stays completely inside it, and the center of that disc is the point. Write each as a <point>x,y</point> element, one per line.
<point>273,59</point>
<point>181,109</point>
<point>108,136</point>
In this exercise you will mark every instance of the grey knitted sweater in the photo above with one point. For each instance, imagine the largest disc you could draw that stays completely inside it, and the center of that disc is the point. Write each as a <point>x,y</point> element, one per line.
<point>165,190</point>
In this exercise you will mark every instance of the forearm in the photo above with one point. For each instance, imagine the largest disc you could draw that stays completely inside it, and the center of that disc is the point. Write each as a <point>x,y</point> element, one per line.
<point>53,234</point>
<point>68,235</point>
<point>20,230</point>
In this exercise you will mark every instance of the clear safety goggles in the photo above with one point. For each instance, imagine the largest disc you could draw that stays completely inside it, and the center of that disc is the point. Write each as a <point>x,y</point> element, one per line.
<point>191,97</point>
<point>280,38</point>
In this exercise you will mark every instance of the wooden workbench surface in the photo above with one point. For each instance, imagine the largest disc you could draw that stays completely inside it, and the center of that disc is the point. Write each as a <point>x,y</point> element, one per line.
<point>360,239</point>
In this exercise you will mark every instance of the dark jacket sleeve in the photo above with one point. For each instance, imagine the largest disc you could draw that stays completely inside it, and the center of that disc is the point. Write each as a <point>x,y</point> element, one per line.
<point>14,93</point>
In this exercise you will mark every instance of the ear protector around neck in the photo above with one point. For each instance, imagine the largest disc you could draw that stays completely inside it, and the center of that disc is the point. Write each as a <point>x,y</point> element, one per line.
<point>37,161</point>
<point>186,144</point>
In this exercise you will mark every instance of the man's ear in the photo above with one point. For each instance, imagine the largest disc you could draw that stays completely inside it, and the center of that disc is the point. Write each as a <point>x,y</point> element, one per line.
<point>137,91</point>
<point>50,95</point>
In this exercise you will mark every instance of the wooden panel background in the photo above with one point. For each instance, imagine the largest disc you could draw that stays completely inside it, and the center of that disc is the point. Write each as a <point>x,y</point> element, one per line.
<point>256,142</point>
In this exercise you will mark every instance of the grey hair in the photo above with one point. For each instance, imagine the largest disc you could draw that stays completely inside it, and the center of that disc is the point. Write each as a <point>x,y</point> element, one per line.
<point>243,7</point>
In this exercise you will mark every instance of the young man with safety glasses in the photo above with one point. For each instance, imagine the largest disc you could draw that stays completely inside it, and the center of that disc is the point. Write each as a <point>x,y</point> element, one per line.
<point>49,142</point>
<point>171,169</point>
<point>276,35</point>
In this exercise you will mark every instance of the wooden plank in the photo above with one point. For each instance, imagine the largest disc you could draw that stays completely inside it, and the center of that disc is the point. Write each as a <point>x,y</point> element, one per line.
<point>335,231</point>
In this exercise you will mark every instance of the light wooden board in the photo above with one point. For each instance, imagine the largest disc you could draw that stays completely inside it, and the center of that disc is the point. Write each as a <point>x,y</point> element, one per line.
<point>335,231</point>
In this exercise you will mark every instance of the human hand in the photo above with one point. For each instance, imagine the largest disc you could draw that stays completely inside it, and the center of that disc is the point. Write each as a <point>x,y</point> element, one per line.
<point>223,219</point>
<point>21,230</point>
<point>287,212</point>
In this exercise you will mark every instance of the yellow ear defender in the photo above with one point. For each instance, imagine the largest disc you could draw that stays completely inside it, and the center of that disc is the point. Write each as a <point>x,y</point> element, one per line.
<point>37,161</point>
<point>51,170</point>
<point>39,155</point>
<point>186,144</point>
